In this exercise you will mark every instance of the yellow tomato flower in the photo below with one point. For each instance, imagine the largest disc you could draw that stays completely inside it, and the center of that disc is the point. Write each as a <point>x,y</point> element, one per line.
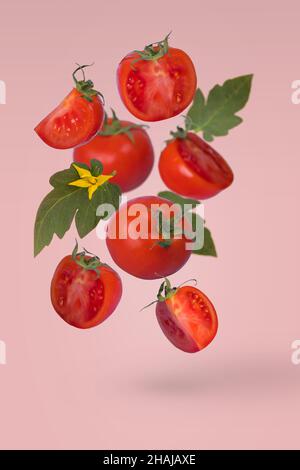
<point>87,180</point>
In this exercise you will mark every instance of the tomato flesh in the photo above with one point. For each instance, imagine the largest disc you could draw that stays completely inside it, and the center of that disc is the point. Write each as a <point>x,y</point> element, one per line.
<point>79,295</point>
<point>157,89</point>
<point>205,161</point>
<point>73,122</point>
<point>173,330</point>
<point>191,167</point>
<point>158,84</point>
<point>188,319</point>
<point>82,297</point>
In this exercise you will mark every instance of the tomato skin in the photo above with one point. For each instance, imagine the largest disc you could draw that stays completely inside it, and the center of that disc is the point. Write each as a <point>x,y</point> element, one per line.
<point>144,258</point>
<point>158,89</point>
<point>133,161</point>
<point>80,297</point>
<point>193,168</point>
<point>188,319</point>
<point>73,122</point>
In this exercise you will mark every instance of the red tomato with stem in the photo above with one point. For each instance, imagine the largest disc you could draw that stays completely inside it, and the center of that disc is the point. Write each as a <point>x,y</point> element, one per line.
<point>158,82</point>
<point>191,167</point>
<point>76,119</point>
<point>139,243</point>
<point>186,316</point>
<point>123,147</point>
<point>84,291</point>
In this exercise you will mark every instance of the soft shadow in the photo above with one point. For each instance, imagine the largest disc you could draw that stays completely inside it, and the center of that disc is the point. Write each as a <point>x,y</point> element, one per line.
<point>234,376</point>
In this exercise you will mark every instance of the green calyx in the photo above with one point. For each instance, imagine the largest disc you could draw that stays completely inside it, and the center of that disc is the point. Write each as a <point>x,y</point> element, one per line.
<point>86,87</point>
<point>115,127</point>
<point>208,248</point>
<point>153,51</point>
<point>167,228</point>
<point>180,133</point>
<point>166,291</point>
<point>89,264</point>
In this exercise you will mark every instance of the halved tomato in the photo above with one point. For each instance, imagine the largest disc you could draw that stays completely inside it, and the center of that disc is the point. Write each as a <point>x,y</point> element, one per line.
<point>187,317</point>
<point>158,82</point>
<point>84,292</point>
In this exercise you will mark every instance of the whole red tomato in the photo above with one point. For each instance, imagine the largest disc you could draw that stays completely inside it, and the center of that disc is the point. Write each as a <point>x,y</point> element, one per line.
<point>84,292</point>
<point>123,147</point>
<point>158,82</point>
<point>191,167</point>
<point>76,119</point>
<point>186,316</point>
<point>137,241</point>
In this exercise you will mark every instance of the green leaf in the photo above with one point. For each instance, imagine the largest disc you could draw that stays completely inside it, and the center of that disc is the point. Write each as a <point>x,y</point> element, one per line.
<point>64,202</point>
<point>62,178</point>
<point>86,217</point>
<point>55,215</point>
<point>175,198</point>
<point>208,248</point>
<point>217,115</point>
<point>195,110</point>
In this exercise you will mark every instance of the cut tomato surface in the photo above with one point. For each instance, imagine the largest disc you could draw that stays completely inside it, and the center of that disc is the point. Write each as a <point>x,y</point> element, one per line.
<point>187,318</point>
<point>76,119</point>
<point>84,297</point>
<point>157,89</point>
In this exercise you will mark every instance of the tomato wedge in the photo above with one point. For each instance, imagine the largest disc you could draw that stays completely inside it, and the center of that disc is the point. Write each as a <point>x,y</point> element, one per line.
<point>76,119</point>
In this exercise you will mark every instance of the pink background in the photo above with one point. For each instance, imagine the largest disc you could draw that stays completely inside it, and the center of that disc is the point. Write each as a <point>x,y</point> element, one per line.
<point>122,385</point>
